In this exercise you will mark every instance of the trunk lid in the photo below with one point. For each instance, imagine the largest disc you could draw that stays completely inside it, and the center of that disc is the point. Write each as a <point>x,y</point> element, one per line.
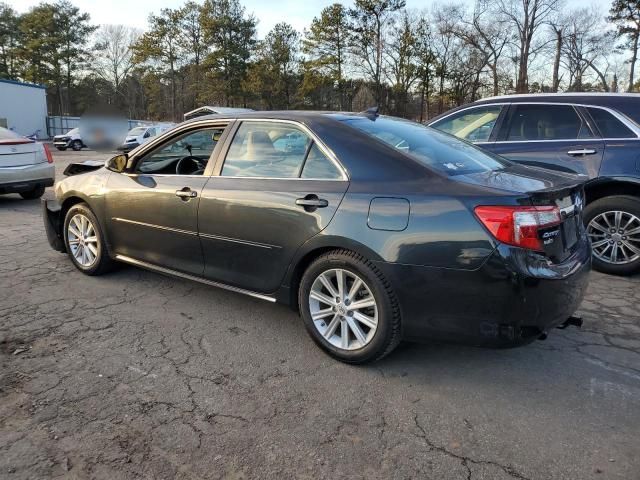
<point>19,153</point>
<point>544,188</point>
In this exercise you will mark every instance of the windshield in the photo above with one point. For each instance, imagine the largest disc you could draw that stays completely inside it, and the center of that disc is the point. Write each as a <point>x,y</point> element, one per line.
<point>137,131</point>
<point>73,131</point>
<point>437,150</point>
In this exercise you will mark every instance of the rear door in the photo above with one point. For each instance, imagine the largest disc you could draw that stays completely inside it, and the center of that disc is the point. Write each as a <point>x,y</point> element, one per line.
<point>555,136</point>
<point>276,187</point>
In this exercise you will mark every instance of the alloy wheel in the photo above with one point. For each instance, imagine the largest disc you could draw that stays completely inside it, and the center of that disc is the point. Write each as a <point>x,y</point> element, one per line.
<point>343,309</point>
<point>615,237</point>
<point>83,240</point>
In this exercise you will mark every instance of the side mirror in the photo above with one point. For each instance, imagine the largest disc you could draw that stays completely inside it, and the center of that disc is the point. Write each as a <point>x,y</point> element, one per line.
<point>118,163</point>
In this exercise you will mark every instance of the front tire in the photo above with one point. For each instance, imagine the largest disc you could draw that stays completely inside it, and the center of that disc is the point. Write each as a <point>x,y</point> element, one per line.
<point>37,192</point>
<point>62,149</point>
<point>85,242</point>
<point>349,308</point>
<point>76,145</point>
<point>613,225</point>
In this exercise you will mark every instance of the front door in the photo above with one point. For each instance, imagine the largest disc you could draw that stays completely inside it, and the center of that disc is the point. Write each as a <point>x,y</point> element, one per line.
<point>549,136</point>
<point>152,213</point>
<point>277,188</point>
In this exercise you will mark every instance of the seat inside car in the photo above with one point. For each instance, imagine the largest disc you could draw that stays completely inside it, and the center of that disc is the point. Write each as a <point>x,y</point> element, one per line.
<point>259,146</point>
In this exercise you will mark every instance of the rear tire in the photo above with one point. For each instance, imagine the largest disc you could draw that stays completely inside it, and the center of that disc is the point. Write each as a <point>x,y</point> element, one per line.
<point>37,192</point>
<point>611,223</point>
<point>85,242</point>
<point>76,145</point>
<point>367,315</point>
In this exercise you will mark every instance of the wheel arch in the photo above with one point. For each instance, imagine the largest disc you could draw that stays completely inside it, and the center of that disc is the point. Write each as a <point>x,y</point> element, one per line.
<point>606,187</point>
<point>312,250</point>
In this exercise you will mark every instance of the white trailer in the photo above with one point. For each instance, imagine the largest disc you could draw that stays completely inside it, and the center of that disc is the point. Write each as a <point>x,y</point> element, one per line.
<point>23,108</point>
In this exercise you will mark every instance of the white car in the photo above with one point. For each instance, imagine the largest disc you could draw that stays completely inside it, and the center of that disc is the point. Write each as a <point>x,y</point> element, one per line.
<point>139,135</point>
<point>71,139</point>
<point>26,166</point>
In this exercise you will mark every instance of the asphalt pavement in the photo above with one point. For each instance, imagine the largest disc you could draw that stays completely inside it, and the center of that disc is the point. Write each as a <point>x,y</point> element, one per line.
<point>138,375</point>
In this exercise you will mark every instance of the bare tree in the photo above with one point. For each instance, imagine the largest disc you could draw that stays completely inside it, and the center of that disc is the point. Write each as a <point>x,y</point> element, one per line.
<point>526,17</point>
<point>113,56</point>
<point>482,32</point>
<point>585,42</point>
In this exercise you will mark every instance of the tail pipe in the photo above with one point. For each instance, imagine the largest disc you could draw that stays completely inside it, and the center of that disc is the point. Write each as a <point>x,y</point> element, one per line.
<point>573,320</point>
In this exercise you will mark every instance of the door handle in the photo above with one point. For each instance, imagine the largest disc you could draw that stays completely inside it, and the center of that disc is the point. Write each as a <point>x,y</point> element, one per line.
<point>584,151</point>
<point>312,202</point>
<point>186,193</point>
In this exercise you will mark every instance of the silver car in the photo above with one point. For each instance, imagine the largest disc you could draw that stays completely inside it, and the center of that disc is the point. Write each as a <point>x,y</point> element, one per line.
<point>26,166</point>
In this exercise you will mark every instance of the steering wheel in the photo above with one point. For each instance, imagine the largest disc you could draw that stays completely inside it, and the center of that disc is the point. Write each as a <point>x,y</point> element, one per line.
<point>190,165</point>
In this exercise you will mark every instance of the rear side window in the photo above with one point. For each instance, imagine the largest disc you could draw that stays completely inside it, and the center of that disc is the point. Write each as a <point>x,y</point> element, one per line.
<point>609,125</point>
<point>474,124</point>
<point>319,166</point>
<point>276,150</point>
<point>546,122</point>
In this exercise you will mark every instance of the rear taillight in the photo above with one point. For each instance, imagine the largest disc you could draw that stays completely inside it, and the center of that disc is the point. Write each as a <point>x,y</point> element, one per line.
<point>47,152</point>
<point>519,226</point>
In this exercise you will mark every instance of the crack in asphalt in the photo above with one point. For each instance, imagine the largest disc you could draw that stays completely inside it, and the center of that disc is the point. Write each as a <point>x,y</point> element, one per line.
<point>464,459</point>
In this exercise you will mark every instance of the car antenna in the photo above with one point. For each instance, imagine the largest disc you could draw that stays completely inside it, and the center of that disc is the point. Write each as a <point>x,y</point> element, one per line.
<point>371,113</point>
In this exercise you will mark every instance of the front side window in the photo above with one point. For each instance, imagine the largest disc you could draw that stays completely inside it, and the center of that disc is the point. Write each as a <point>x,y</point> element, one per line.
<point>609,125</point>
<point>430,147</point>
<point>546,122</point>
<point>276,150</point>
<point>473,125</point>
<point>187,154</point>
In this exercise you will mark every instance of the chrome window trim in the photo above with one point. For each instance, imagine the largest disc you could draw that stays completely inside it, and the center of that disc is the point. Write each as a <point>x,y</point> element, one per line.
<point>151,144</point>
<point>566,94</point>
<point>284,178</point>
<point>168,271</point>
<point>325,150</point>
<point>623,118</point>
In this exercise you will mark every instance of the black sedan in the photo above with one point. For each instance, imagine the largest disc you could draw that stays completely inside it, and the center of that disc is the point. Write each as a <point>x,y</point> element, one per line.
<point>374,228</point>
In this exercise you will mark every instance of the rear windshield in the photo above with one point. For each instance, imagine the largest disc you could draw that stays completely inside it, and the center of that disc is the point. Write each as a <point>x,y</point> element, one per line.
<point>8,134</point>
<point>137,131</point>
<point>435,149</point>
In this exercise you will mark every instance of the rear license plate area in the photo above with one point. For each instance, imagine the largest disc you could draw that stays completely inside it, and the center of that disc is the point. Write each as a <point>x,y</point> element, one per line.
<point>570,232</point>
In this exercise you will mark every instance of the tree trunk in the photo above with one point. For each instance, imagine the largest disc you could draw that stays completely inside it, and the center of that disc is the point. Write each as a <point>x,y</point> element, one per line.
<point>494,73</point>
<point>555,84</point>
<point>422,102</point>
<point>633,60</point>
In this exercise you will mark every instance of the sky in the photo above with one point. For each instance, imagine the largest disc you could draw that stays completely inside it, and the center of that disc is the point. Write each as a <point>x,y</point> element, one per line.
<point>298,13</point>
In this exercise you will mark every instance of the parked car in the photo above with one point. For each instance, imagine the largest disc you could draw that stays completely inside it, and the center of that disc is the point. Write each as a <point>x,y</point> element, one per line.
<point>380,229</point>
<point>139,135</point>
<point>71,139</point>
<point>597,135</point>
<point>26,166</point>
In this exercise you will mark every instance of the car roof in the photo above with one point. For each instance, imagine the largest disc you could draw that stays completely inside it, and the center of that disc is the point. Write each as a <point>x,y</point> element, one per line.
<point>627,103</point>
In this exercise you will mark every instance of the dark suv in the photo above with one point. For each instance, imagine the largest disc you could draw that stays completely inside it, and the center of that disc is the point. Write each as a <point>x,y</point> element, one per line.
<point>597,135</point>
